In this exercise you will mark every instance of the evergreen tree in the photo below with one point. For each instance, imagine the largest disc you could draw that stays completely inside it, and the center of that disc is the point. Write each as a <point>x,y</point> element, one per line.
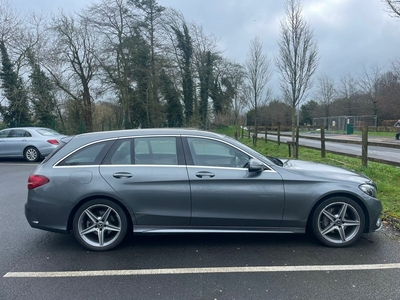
<point>174,106</point>
<point>139,62</point>
<point>205,74</point>
<point>186,49</point>
<point>43,100</point>
<point>308,111</point>
<point>16,113</point>
<point>217,96</point>
<point>151,13</point>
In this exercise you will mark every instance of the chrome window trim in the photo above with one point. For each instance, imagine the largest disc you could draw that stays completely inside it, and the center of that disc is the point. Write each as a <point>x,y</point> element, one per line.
<point>55,165</point>
<point>142,165</point>
<point>225,168</point>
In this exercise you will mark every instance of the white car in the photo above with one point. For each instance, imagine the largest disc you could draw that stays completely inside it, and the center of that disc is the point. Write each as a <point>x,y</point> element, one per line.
<point>31,143</point>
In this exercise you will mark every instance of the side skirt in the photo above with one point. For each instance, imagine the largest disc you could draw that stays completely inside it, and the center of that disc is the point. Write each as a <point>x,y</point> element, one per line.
<point>170,230</point>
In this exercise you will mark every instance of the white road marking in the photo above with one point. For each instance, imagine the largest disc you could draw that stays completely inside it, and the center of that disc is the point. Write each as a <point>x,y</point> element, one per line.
<point>174,271</point>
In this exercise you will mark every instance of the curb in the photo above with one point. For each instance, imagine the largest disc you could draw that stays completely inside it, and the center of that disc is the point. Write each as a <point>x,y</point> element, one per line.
<point>392,220</point>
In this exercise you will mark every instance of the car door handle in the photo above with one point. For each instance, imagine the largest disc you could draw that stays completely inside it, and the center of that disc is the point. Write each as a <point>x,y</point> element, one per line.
<point>205,174</point>
<point>122,175</point>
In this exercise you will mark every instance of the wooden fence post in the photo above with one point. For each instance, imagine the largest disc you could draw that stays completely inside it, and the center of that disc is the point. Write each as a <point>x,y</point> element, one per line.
<point>266,130</point>
<point>279,134</point>
<point>364,146</point>
<point>323,142</point>
<point>296,145</point>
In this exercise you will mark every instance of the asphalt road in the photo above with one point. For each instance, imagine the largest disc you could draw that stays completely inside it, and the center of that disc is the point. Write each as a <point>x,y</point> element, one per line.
<point>36,264</point>
<point>377,152</point>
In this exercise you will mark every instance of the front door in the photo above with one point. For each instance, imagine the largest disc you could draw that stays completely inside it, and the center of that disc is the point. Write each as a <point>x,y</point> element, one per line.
<point>17,141</point>
<point>225,193</point>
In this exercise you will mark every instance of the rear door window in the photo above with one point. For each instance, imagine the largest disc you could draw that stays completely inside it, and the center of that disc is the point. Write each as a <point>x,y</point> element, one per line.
<point>120,154</point>
<point>156,151</point>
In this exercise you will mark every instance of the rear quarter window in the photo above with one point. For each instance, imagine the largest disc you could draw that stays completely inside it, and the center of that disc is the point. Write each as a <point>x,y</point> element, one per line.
<point>89,155</point>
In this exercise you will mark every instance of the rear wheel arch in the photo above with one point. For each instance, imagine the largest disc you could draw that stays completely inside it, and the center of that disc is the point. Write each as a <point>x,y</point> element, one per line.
<point>100,224</point>
<point>128,215</point>
<point>34,149</point>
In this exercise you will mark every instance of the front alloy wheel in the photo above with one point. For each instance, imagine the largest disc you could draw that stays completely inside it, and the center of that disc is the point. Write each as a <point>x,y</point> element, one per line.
<point>100,225</point>
<point>338,222</point>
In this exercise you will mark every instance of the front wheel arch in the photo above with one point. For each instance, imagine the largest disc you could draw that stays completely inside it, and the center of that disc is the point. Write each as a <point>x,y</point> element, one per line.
<point>352,197</point>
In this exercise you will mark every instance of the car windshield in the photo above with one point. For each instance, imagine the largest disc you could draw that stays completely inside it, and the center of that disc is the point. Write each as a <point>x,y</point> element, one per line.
<point>47,132</point>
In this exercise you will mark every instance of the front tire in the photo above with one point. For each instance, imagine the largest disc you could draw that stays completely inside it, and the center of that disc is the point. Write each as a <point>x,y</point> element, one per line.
<point>31,154</point>
<point>100,225</point>
<point>338,222</point>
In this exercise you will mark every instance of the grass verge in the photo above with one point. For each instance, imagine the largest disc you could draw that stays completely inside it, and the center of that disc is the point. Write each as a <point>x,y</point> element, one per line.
<point>386,177</point>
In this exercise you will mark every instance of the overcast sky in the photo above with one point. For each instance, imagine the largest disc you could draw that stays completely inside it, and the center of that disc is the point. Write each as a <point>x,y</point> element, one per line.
<point>350,33</point>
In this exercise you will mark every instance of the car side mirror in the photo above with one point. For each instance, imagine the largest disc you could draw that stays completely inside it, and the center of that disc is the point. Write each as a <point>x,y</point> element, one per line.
<point>255,165</point>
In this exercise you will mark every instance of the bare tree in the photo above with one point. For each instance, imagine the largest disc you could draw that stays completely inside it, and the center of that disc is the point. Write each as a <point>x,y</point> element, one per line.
<point>259,73</point>
<point>393,7</point>
<point>348,91</point>
<point>73,60</point>
<point>113,22</point>
<point>10,23</point>
<point>231,78</point>
<point>396,67</point>
<point>12,30</point>
<point>151,13</point>
<point>369,85</point>
<point>298,59</point>
<point>325,92</point>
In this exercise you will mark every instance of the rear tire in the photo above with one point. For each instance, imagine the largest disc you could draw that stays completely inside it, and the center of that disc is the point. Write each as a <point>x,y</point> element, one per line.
<point>31,154</point>
<point>100,225</point>
<point>338,222</point>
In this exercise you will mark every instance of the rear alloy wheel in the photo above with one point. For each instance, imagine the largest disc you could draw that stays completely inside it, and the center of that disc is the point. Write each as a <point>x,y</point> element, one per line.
<point>100,225</point>
<point>31,154</point>
<point>338,222</point>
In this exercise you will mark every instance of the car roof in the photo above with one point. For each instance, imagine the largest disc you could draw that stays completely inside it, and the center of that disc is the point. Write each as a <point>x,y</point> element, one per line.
<point>31,128</point>
<point>100,135</point>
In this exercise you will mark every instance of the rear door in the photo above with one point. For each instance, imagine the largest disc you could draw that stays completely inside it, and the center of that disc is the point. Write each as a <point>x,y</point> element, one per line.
<point>150,175</point>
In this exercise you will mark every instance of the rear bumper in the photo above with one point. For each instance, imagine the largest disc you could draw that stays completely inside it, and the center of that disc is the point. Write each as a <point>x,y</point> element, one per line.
<point>46,217</point>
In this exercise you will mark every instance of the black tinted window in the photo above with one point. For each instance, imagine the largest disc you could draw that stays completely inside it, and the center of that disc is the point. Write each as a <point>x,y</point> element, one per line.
<point>120,154</point>
<point>4,133</point>
<point>156,151</point>
<point>19,133</point>
<point>89,155</point>
<point>206,152</point>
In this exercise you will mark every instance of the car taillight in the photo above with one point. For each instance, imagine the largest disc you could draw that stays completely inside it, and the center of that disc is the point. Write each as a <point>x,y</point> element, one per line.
<point>35,181</point>
<point>53,142</point>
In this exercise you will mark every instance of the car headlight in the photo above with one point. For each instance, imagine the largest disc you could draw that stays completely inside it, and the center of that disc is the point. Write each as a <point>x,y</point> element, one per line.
<point>368,189</point>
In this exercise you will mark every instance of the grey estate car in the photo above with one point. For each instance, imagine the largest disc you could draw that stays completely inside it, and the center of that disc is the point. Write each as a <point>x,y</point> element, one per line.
<point>31,143</point>
<point>100,185</point>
